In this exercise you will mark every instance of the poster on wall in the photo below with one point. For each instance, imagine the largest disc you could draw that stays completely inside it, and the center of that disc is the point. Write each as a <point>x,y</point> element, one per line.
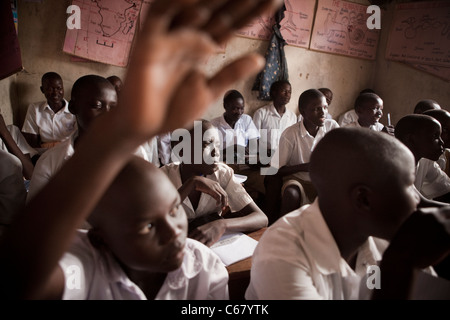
<point>10,55</point>
<point>107,31</point>
<point>340,28</point>
<point>297,23</point>
<point>420,33</point>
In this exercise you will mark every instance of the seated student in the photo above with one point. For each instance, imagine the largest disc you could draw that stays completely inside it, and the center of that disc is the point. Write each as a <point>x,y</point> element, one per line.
<point>272,119</point>
<point>323,250</point>
<point>369,109</point>
<point>116,82</point>
<point>422,135</point>
<point>425,105</point>
<point>351,116</point>
<point>443,116</point>
<point>12,189</point>
<point>237,130</point>
<point>160,76</point>
<point>49,122</point>
<point>206,207</point>
<point>294,151</point>
<point>329,97</point>
<point>12,141</point>
<point>139,237</point>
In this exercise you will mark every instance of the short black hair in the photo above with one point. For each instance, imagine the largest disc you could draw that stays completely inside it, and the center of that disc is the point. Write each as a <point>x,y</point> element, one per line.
<point>50,75</point>
<point>278,84</point>
<point>365,97</point>
<point>307,96</point>
<point>232,95</point>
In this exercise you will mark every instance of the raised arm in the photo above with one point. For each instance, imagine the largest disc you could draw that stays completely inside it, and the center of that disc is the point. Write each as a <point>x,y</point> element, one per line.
<point>163,91</point>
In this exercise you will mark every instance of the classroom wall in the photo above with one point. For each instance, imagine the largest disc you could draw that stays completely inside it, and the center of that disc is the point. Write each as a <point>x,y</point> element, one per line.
<point>42,29</point>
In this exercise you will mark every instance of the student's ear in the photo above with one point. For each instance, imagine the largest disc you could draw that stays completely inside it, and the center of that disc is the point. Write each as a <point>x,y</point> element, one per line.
<point>361,197</point>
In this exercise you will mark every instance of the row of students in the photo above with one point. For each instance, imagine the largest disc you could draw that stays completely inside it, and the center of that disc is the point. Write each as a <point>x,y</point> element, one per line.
<point>137,245</point>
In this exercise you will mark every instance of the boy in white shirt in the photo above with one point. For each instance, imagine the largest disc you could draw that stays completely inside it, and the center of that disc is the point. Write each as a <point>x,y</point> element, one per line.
<point>49,122</point>
<point>323,250</point>
<point>369,109</point>
<point>296,144</point>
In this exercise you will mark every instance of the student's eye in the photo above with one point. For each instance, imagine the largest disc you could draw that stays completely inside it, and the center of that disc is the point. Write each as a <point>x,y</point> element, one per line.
<point>174,211</point>
<point>150,226</point>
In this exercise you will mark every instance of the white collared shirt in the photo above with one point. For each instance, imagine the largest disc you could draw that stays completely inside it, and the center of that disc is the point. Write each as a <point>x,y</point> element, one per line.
<point>243,131</point>
<point>52,160</point>
<point>19,139</point>
<point>93,275</point>
<point>42,120</point>
<point>348,117</point>
<point>271,125</point>
<point>298,258</point>
<point>375,127</point>
<point>431,180</point>
<point>296,145</point>
<point>238,198</point>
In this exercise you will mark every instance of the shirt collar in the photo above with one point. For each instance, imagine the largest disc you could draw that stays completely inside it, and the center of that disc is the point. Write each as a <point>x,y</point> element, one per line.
<point>65,109</point>
<point>325,250</point>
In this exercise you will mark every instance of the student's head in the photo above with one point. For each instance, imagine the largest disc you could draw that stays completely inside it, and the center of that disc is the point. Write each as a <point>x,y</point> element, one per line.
<point>313,106</point>
<point>422,135</point>
<point>52,87</point>
<point>116,82</point>
<point>234,104</point>
<point>369,108</point>
<point>91,96</point>
<point>374,194</point>
<point>140,220</point>
<point>280,92</point>
<point>367,90</point>
<point>425,105</point>
<point>328,94</point>
<point>200,150</point>
<point>443,116</point>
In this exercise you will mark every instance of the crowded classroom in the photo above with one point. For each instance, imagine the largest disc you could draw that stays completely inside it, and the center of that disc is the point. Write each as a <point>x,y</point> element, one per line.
<point>200,150</point>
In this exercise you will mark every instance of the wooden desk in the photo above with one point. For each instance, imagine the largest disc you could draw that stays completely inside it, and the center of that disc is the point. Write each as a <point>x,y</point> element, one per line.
<point>239,272</point>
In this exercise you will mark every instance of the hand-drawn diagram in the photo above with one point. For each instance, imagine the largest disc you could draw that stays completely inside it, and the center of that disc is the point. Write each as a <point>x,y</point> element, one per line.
<point>420,33</point>
<point>341,28</point>
<point>297,23</point>
<point>107,30</point>
<point>260,28</point>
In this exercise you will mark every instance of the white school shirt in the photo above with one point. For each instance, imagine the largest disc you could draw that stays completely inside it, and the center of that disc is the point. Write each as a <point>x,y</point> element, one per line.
<point>52,160</point>
<point>151,150</point>
<point>296,146</point>
<point>431,180</point>
<point>297,258</point>
<point>238,198</point>
<point>93,275</point>
<point>375,127</point>
<point>19,140</point>
<point>243,131</point>
<point>348,117</point>
<point>271,125</point>
<point>12,188</point>
<point>42,120</point>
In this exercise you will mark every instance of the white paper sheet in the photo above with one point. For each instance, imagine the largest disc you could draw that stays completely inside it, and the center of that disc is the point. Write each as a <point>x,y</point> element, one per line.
<point>234,247</point>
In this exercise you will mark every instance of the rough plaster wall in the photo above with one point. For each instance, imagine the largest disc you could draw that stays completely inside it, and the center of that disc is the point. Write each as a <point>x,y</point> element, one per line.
<point>401,86</point>
<point>42,30</point>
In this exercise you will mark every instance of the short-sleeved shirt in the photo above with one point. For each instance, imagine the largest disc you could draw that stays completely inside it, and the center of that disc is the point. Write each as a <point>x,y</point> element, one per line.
<point>42,120</point>
<point>431,180</point>
<point>375,127</point>
<point>297,258</point>
<point>243,131</point>
<point>94,275</point>
<point>271,125</point>
<point>52,160</point>
<point>19,139</point>
<point>348,117</point>
<point>296,146</point>
<point>238,198</point>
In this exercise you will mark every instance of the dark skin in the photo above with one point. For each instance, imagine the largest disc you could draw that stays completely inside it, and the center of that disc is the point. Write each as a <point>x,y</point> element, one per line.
<point>53,90</point>
<point>247,219</point>
<point>281,97</point>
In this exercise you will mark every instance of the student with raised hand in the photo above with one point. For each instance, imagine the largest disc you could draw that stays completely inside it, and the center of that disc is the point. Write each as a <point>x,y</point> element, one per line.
<point>49,122</point>
<point>322,250</point>
<point>163,91</point>
<point>422,135</point>
<point>214,201</point>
